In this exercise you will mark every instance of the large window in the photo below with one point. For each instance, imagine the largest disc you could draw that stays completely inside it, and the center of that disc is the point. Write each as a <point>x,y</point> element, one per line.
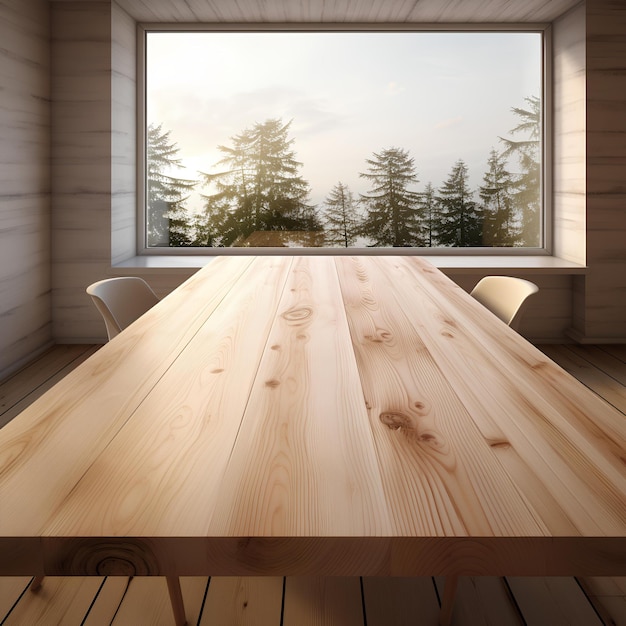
<point>351,139</point>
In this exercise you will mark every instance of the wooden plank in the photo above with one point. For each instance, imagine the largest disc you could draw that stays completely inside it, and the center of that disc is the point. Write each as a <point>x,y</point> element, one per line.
<point>27,379</point>
<point>60,600</point>
<point>608,596</point>
<point>606,585</point>
<point>482,600</point>
<point>617,351</point>
<point>547,418</point>
<point>121,373</point>
<point>304,463</point>
<point>108,601</point>
<point>603,360</point>
<point>574,362</point>
<point>319,601</point>
<point>147,601</point>
<point>554,601</point>
<point>10,589</point>
<point>249,601</point>
<point>396,601</point>
<point>178,441</point>
<point>54,376</point>
<point>440,475</point>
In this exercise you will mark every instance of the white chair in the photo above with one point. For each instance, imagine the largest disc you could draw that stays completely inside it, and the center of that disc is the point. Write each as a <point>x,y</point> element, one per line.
<point>121,301</point>
<point>505,296</point>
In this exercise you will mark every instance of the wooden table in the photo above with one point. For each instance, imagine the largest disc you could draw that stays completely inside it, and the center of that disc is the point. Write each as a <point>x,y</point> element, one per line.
<point>315,415</point>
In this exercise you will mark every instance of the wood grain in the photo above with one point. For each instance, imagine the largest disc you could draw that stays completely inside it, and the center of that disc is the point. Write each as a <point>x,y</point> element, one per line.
<point>523,402</point>
<point>59,436</point>
<point>432,454</point>
<point>313,601</point>
<point>250,601</point>
<point>58,601</point>
<point>304,462</point>
<point>334,416</point>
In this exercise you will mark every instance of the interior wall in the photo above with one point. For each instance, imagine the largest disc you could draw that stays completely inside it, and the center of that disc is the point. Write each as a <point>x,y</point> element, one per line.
<point>93,162</point>
<point>123,140</point>
<point>25,314</point>
<point>81,163</point>
<point>605,282</point>
<point>569,201</point>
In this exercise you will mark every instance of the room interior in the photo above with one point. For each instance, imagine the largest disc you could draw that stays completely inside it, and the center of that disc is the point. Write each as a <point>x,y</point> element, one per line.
<point>68,97</point>
<point>68,159</point>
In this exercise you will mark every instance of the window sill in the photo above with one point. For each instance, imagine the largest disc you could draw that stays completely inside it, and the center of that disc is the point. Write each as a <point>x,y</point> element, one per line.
<point>449,264</point>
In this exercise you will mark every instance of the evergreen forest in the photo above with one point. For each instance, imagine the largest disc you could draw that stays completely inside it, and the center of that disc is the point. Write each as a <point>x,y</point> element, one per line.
<point>257,197</point>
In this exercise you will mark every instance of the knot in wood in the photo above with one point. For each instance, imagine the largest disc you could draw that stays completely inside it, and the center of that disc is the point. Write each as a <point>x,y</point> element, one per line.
<point>114,558</point>
<point>421,408</point>
<point>299,314</point>
<point>500,443</point>
<point>273,383</point>
<point>395,421</point>
<point>116,567</point>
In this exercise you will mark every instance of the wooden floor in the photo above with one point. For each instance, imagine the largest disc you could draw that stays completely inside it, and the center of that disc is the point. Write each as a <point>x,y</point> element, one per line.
<point>270,601</point>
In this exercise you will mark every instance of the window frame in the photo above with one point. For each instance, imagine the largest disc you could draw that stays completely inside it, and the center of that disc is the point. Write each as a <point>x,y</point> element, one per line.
<point>546,192</point>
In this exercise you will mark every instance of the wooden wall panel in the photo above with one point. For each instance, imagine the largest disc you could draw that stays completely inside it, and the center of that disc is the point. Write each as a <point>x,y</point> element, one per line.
<point>569,183</point>
<point>347,10</point>
<point>605,283</point>
<point>81,163</point>
<point>25,317</point>
<point>123,145</point>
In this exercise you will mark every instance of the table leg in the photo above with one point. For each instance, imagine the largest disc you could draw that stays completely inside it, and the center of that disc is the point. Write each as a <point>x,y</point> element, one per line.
<point>176,598</point>
<point>447,602</point>
<point>36,584</point>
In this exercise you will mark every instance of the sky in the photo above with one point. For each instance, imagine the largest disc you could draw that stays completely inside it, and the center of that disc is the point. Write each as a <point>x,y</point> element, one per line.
<point>440,96</point>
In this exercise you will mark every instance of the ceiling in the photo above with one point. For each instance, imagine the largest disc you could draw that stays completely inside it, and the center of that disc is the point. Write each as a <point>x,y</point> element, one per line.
<point>346,11</point>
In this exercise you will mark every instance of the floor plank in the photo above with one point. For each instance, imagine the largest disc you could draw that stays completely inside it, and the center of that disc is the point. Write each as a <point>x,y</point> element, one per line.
<point>11,588</point>
<point>252,601</point>
<point>147,601</point>
<point>603,360</point>
<point>31,382</point>
<point>483,600</point>
<point>317,601</point>
<point>60,600</point>
<point>107,602</point>
<point>398,601</point>
<point>608,596</point>
<point>616,350</point>
<point>598,381</point>
<point>553,601</point>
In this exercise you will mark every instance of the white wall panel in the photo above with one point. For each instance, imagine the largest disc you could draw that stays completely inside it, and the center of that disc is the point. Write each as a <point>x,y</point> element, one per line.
<point>25,316</point>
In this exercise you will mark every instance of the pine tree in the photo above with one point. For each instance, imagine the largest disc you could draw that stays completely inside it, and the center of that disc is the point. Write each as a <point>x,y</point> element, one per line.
<point>341,221</point>
<point>261,187</point>
<point>459,222</point>
<point>168,218</point>
<point>527,196</point>
<point>428,214</point>
<point>392,217</point>
<point>500,227</point>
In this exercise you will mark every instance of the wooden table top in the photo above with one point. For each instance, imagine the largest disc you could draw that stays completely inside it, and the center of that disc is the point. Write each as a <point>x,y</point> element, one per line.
<point>315,415</point>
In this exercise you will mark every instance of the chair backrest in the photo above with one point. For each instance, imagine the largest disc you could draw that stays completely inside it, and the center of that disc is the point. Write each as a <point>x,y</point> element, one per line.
<point>505,296</point>
<point>121,301</point>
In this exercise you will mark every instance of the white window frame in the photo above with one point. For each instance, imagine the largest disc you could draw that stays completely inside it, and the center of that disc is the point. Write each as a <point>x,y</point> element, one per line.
<point>546,138</point>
